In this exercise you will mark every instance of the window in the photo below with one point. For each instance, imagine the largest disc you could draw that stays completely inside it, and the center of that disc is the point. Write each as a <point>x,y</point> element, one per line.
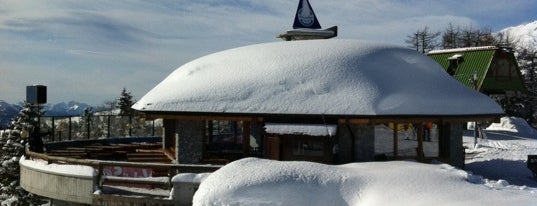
<point>224,136</point>
<point>309,148</point>
<point>454,62</point>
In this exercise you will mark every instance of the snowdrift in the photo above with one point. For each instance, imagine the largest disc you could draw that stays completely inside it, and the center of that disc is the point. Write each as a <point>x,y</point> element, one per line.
<point>515,125</point>
<point>254,181</point>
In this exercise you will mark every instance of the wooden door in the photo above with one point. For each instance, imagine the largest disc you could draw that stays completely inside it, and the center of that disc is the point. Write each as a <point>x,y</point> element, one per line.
<point>273,148</point>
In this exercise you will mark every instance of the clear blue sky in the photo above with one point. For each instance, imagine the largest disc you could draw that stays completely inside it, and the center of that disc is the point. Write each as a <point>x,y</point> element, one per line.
<point>89,51</point>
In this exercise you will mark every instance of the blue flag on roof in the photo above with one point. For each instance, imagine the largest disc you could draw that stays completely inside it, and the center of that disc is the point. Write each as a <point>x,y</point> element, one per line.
<point>305,17</point>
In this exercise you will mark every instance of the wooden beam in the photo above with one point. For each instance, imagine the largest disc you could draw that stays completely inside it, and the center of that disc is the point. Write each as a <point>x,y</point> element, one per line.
<point>298,118</point>
<point>359,121</point>
<point>199,118</point>
<point>409,119</point>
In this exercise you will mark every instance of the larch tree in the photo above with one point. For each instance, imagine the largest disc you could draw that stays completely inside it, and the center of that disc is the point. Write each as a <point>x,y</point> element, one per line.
<point>423,40</point>
<point>450,37</point>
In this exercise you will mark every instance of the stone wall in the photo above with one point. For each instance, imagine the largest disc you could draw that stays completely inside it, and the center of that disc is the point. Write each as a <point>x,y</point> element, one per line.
<point>72,188</point>
<point>189,141</point>
<point>168,133</point>
<point>451,149</point>
<point>363,138</point>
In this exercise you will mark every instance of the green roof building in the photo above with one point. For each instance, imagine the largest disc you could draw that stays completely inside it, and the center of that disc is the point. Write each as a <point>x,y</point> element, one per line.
<point>492,70</point>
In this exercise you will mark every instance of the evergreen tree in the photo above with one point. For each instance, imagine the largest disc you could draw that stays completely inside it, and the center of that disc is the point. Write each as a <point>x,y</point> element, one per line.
<point>13,149</point>
<point>27,118</point>
<point>125,102</point>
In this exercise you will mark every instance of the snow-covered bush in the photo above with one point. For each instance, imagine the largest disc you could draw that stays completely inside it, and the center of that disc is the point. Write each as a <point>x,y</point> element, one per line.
<point>12,148</point>
<point>11,193</point>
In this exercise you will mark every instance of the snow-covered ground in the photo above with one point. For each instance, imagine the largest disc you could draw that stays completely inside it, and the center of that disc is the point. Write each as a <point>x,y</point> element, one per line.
<point>503,154</point>
<point>495,174</point>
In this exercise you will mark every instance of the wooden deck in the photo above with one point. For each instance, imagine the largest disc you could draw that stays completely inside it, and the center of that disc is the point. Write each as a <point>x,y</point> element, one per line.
<point>135,152</point>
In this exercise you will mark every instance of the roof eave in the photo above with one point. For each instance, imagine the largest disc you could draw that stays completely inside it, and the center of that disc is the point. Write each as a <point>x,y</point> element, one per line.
<point>322,118</point>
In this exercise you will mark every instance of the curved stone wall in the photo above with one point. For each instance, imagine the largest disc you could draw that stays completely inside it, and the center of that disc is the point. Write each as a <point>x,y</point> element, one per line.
<point>53,183</point>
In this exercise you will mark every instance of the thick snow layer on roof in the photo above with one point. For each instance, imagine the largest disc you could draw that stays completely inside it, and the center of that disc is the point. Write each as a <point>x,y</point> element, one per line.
<point>465,49</point>
<point>312,130</point>
<point>267,182</point>
<point>344,77</point>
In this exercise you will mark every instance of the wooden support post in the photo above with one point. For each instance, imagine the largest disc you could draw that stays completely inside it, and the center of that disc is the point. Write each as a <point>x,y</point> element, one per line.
<point>70,127</point>
<point>395,141</point>
<point>100,174</point>
<point>421,155</point>
<point>53,131</point>
<point>246,138</point>
<point>108,126</point>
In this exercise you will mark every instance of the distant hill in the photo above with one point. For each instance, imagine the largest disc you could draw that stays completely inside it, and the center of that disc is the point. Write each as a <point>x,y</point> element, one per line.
<point>72,108</point>
<point>525,34</point>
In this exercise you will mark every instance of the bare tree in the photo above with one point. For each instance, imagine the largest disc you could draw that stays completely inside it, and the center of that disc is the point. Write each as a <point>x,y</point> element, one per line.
<point>505,39</point>
<point>484,37</point>
<point>467,37</point>
<point>428,40</point>
<point>423,40</point>
<point>413,40</point>
<point>450,38</point>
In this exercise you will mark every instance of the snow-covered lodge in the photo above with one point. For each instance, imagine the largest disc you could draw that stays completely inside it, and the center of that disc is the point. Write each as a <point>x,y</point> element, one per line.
<point>329,101</point>
<point>316,100</point>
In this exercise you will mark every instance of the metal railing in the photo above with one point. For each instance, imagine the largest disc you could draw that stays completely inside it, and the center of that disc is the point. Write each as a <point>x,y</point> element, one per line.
<point>60,128</point>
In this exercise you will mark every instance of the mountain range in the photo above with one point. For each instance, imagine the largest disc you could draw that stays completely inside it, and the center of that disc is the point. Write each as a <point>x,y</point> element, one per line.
<point>72,108</point>
<point>7,112</point>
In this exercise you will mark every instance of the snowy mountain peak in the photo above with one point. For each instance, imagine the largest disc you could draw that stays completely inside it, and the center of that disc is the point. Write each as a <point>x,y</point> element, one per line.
<point>525,34</point>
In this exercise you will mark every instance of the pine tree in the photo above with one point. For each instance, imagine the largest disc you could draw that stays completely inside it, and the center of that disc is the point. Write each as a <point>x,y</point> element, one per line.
<point>13,149</point>
<point>125,102</point>
<point>27,118</point>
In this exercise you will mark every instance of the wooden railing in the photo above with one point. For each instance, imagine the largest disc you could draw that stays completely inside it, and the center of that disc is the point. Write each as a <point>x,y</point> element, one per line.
<point>99,165</point>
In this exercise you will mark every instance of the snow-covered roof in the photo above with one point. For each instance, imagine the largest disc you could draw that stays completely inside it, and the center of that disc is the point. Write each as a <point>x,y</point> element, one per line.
<point>311,130</point>
<point>331,77</point>
<point>465,49</point>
